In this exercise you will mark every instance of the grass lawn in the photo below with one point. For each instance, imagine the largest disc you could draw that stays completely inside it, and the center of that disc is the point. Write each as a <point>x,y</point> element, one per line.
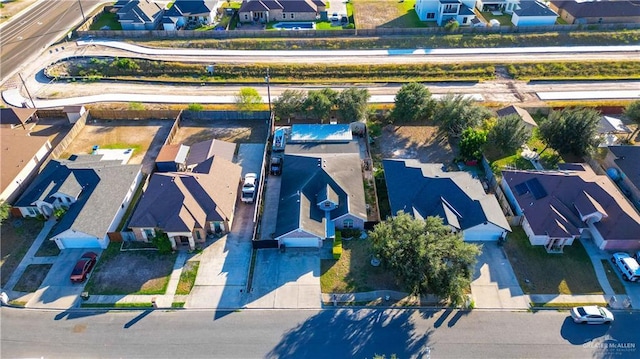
<point>16,236</point>
<point>539,272</point>
<point>505,19</point>
<point>188,277</point>
<point>131,272</point>
<point>612,277</point>
<point>371,14</point>
<point>32,277</point>
<point>107,19</point>
<point>353,272</point>
<point>549,158</point>
<point>48,249</point>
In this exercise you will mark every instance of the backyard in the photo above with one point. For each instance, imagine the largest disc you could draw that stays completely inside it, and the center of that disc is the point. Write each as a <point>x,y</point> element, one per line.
<point>539,272</point>
<point>236,131</point>
<point>371,14</point>
<point>131,272</point>
<point>549,159</point>
<point>17,235</point>
<point>353,272</point>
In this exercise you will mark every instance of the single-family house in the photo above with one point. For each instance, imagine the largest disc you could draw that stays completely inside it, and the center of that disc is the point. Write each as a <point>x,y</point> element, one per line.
<point>190,13</point>
<point>508,6</point>
<point>443,11</point>
<point>263,11</point>
<point>140,15</point>
<point>623,166</point>
<point>13,117</point>
<point>573,202</point>
<point>533,13</point>
<point>188,206</point>
<point>321,187</point>
<point>524,116</point>
<point>22,155</point>
<point>597,11</point>
<point>95,193</point>
<point>426,190</point>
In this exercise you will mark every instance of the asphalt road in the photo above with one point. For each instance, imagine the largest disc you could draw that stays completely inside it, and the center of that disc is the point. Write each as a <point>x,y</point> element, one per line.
<point>26,37</point>
<point>312,334</point>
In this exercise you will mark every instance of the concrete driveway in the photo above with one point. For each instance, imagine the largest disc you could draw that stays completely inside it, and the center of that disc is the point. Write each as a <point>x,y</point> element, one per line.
<point>57,291</point>
<point>494,283</point>
<point>286,280</point>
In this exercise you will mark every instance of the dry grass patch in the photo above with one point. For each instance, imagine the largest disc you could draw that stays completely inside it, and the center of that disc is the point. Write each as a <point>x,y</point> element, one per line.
<point>238,131</point>
<point>188,277</point>
<point>420,142</point>
<point>32,277</point>
<point>16,236</point>
<point>612,277</point>
<point>353,272</point>
<point>371,14</point>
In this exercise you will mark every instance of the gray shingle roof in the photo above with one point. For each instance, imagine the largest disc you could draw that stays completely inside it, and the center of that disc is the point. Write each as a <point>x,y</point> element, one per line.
<point>628,160</point>
<point>307,174</point>
<point>191,8</point>
<point>423,190</point>
<point>201,151</point>
<point>522,113</point>
<point>610,8</point>
<point>139,12</point>
<point>284,5</point>
<point>533,8</point>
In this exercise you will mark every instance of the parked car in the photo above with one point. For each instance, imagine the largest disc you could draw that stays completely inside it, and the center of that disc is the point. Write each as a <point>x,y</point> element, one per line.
<point>628,266</point>
<point>276,165</point>
<point>83,267</point>
<point>249,187</point>
<point>591,314</point>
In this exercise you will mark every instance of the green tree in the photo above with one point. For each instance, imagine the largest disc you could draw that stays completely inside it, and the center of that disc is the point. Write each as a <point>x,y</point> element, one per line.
<point>288,103</point>
<point>508,134</point>
<point>452,25</point>
<point>425,255</point>
<point>248,99</point>
<point>633,113</point>
<point>317,104</point>
<point>413,103</point>
<point>571,131</point>
<point>456,113</point>
<point>353,104</point>
<point>5,211</point>
<point>161,240</point>
<point>471,143</point>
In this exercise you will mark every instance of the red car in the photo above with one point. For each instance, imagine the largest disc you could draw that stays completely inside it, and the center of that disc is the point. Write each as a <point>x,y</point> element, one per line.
<point>83,267</point>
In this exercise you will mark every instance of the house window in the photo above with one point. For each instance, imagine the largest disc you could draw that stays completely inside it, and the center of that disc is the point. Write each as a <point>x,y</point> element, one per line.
<point>148,233</point>
<point>347,223</point>
<point>284,16</point>
<point>292,15</point>
<point>464,20</point>
<point>198,235</point>
<point>431,15</point>
<point>327,204</point>
<point>246,16</point>
<point>32,211</point>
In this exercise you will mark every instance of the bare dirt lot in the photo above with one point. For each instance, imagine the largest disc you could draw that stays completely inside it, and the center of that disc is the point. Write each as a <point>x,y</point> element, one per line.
<point>145,137</point>
<point>240,131</point>
<point>139,272</point>
<point>419,142</point>
<point>371,14</point>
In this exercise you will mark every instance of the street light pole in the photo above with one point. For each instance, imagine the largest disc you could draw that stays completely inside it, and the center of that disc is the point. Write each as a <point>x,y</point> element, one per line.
<point>82,12</point>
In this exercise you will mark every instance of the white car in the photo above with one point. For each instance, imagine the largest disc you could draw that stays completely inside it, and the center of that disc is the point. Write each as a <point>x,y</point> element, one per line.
<point>249,187</point>
<point>591,314</point>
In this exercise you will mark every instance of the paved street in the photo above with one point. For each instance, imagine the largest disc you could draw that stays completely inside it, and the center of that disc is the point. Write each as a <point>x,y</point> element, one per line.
<point>312,334</point>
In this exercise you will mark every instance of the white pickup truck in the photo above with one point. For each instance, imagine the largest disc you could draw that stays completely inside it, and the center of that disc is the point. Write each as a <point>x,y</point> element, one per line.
<point>249,187</point>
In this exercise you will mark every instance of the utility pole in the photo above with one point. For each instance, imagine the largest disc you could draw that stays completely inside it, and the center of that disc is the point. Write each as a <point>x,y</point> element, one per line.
<point>33,104</point>
<point>267,80</point>
<point>82,12</point>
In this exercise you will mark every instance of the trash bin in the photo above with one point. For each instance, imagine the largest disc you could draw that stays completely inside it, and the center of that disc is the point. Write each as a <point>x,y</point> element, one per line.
<point>84,295</point>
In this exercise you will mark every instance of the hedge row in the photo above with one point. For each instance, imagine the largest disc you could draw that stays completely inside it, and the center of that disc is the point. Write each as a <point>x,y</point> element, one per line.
<point>576,70</point>
<point>337,246</point>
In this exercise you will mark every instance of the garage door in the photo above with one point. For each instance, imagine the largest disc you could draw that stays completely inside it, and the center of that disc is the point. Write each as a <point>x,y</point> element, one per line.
<point>474,236</point>
<point>80,242</point>
<point>301,242</point>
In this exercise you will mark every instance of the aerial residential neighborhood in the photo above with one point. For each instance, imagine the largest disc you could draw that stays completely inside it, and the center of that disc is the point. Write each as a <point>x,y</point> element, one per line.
<point>317,178</point>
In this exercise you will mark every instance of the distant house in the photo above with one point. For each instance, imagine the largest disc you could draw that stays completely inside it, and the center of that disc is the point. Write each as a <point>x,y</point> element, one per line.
<point>184,158</point>
<point>96,194</point>
<point>263,11</point>
<point>623,166</point>
<point>21,156</point>
<point>140,15</point>
<point>17,117</point>
<point>189,12</point>
<point>74,113</point>
<point>524,116</point>
<point>597,12</point>
<point>425,190</point>
<point>188,206</point>
<point>533,13</point>
<point>574,202</point>
<point>321,189</point>
<point>443,11</point>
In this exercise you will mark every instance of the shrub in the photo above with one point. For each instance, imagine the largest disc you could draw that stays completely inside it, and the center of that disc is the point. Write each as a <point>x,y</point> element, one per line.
<point>161,240</point>
<point>351,233</point>
<point>136,106</point>
<point>337,246</point>
<point>195,107</point>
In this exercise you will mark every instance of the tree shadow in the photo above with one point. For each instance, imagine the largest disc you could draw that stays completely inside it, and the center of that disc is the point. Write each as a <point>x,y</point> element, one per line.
<point>356,334</point>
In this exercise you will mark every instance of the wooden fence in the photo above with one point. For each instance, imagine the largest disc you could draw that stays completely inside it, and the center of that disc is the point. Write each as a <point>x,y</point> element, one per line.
<point>66,141</point>
<point>174,129</point>
<point>103,114</point>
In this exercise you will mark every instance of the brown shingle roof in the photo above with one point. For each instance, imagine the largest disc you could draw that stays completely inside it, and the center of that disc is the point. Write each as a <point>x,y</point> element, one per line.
<point>513,109</point>
<point>17,150</point>
<point>15,116</point>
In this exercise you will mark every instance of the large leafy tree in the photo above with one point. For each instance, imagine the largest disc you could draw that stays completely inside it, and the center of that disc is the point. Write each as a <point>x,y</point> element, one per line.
<point>471,143</point>
<point>5,209</point>
<point>455,113</point>
<point>288,103</point>
<point>633,113</point>
<point>317,104</point>
<point>413,102</point>
<point>353,103</point>
<point>248,99</point>
<point>508,133</point>
<point>425,255</point>
<point>571,130</point>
